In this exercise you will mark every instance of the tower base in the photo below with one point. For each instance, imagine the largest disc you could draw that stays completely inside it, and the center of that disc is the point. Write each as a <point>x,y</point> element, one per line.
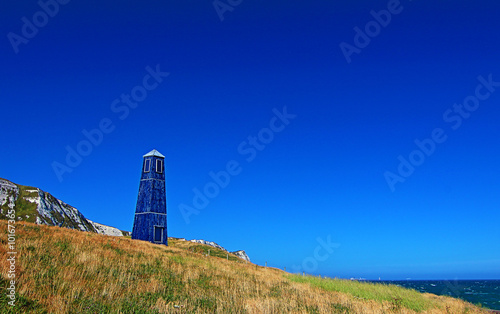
<point>150,227</point>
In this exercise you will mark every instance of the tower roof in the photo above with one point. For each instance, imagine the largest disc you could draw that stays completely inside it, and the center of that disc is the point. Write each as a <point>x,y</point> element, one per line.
<point>154,153</point>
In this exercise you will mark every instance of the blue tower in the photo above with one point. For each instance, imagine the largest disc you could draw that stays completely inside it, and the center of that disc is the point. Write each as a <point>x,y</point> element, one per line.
<point>150,222</point>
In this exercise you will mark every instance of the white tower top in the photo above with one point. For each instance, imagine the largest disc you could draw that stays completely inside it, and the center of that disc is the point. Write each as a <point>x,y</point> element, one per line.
<point>154,153</point>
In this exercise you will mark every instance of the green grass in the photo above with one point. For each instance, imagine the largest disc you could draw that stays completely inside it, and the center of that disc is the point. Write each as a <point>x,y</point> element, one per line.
<point>399,297</point>
<point>339,308</point>
<point>22,304</point>
<point>204,249</point>
<point>22,206</point>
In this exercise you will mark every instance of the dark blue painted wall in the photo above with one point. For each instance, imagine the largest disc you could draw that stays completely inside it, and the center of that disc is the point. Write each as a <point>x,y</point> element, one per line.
<point>151,209</point>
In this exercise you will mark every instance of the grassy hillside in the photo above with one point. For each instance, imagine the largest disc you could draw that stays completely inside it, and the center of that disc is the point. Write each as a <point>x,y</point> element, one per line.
<point>68,271</point>
<point>24,209</point>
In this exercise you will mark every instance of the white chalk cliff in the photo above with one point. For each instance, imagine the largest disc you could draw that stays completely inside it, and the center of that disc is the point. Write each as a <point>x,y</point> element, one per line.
<point>34,205</point>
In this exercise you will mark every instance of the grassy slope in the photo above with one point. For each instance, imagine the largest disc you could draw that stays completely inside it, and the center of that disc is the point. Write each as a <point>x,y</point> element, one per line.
<point>62,270</point>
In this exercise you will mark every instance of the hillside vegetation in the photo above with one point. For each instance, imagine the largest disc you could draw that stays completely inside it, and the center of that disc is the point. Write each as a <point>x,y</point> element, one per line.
<point>69,271</point>
<point>25,209</point>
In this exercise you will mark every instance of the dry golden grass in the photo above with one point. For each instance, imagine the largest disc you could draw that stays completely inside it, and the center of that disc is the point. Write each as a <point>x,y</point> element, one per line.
<point>67,271</point>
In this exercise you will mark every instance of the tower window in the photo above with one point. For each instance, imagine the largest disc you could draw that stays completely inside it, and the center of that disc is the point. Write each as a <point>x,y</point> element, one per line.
<point>158,234</point>
<point>147,165</point>
<point>159,166</point>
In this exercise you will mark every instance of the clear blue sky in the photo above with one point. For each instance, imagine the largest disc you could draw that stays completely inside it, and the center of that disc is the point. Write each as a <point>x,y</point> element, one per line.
<point>323,176</point>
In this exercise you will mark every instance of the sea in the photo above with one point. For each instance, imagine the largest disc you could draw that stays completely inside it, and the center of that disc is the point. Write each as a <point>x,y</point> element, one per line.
<point>486,292</point>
